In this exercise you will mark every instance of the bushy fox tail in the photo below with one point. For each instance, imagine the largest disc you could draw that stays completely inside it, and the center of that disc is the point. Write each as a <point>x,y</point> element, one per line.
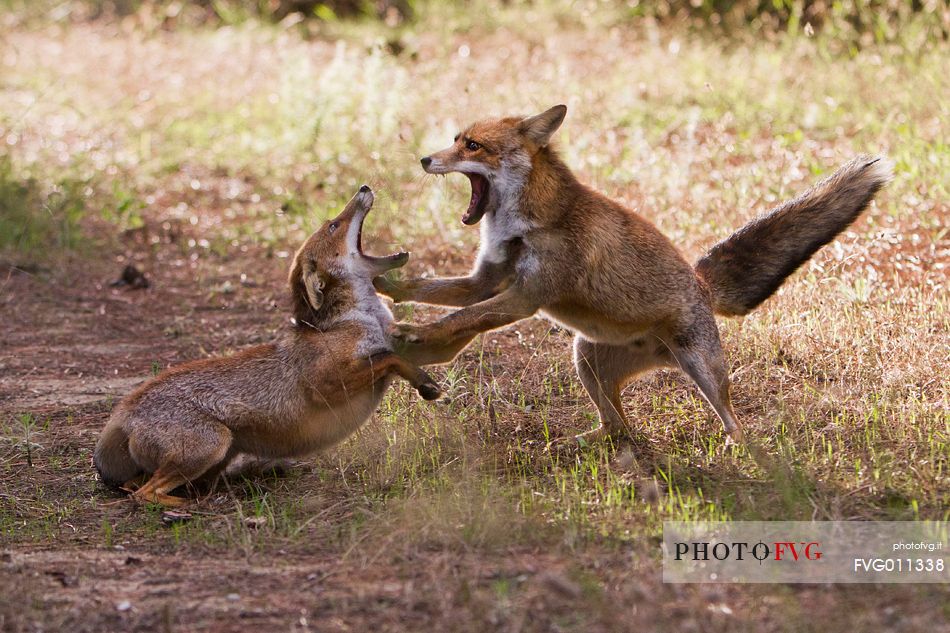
<point>745,269</point>
<point>112,457</point>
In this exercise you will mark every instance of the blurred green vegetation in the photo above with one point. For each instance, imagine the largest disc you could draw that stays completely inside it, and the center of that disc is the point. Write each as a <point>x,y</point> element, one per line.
<point>222,11</point>
<point>811,72</point>
<point>36,218</point>
<point>859,22</point>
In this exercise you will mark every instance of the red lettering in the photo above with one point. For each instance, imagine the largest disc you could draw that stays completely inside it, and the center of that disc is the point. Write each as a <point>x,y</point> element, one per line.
<point>781,547</point>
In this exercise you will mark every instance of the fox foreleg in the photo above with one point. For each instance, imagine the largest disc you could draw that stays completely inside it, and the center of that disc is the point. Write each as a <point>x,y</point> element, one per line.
<point>450,291</point>
<point>441,341</point>
<point>414,375</point>
<point>486,281</point>
<point>335,385</point>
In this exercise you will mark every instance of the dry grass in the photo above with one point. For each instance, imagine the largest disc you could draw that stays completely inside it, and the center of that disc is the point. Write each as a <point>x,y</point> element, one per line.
<point>205,154</point>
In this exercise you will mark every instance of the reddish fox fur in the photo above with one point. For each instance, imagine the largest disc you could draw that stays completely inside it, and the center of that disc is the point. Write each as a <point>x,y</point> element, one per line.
<point>550,244</point>
<point>309,390</point>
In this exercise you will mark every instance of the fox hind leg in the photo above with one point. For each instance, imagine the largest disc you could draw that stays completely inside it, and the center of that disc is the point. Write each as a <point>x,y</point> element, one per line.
<point>699,354</point>
<point>605,370</point>
<point>183,454</point>
<point>156,489</point>
<point>135,483</point>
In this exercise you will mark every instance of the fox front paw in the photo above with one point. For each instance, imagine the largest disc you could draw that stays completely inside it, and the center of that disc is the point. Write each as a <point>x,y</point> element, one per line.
<point>429,391</point>
<point>406,332</point>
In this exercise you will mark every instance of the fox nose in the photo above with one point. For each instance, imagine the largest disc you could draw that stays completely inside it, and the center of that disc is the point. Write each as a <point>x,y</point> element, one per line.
<point>426,161</point>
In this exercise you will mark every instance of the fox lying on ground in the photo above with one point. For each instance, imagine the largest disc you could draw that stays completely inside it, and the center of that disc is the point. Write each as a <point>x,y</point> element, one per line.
<point>312,388</point>
<point>551,244</point>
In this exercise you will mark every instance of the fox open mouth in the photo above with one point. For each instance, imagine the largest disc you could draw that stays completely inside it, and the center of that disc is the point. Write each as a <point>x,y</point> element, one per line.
<point>479,202</point>
<point>384,262</point>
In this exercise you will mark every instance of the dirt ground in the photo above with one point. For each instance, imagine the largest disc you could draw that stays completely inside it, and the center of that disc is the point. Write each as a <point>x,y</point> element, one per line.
<point>72,345</point>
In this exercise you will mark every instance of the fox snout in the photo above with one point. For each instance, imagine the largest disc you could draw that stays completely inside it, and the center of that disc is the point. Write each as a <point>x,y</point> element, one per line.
<point>432,164</point>
<point>442,162</point>
<point>353,217</point>
<point>365,197</point>
<point>360,203</point>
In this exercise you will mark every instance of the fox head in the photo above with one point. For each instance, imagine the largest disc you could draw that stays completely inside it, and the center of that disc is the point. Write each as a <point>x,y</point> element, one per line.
<point>332,259</point>
<point>496,155</point>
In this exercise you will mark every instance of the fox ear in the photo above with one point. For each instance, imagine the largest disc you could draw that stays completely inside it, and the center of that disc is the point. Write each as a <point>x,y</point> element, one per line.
<point>306,291</point>
<point>314,285</point>
<point>540,127</point>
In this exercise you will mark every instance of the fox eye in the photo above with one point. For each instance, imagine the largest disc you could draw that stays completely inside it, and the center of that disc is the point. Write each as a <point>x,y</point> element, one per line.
<point>334,226</point>
<point>472,146</point>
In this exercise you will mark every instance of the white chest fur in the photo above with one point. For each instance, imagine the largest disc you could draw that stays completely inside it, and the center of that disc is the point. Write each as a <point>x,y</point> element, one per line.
<point>373,315</point>
<point>497,229</point>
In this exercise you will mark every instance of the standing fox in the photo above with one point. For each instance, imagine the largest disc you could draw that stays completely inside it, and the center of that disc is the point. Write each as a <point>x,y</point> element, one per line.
<point>307,391</point>
<point>551,244</point>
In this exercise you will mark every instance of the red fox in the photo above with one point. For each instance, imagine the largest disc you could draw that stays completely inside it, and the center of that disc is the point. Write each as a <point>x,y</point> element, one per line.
<point>552,244</point>
<point>312,388</point>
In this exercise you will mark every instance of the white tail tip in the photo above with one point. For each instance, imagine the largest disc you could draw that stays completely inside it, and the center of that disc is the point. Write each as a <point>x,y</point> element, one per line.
<point>882,170</point>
